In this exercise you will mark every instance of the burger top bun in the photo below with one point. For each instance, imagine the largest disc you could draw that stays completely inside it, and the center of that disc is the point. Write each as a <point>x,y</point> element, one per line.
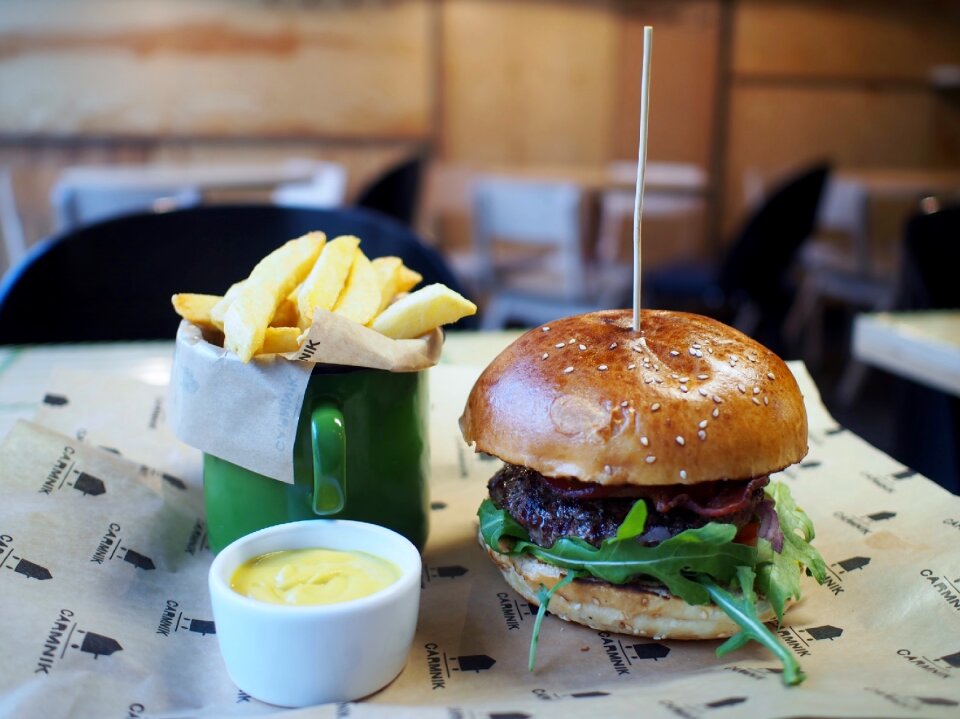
<point>686,400</point>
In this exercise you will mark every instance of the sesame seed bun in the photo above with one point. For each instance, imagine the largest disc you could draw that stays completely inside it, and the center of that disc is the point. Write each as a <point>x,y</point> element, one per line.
<point>644,610</point>
<point>686,400</point>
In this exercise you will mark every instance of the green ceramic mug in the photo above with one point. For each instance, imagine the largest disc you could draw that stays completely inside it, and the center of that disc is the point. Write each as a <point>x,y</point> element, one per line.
<point>361,452</point>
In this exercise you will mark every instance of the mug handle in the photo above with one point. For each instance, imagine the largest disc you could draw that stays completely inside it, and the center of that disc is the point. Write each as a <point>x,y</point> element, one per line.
<point>329,460</point>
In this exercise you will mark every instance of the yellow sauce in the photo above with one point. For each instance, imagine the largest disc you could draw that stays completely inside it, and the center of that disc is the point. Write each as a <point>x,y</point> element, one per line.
<point>299,577</point>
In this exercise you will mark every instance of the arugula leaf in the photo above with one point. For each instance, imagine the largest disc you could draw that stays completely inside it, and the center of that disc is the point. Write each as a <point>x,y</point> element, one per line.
<point>544,596</point>
<point>743,610</point>
<point>779,573</point>
<point>706,550</point>
<point>634,522</point>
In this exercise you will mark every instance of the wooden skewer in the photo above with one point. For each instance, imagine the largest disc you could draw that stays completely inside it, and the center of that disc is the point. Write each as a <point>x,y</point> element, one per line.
<point>641,171</point>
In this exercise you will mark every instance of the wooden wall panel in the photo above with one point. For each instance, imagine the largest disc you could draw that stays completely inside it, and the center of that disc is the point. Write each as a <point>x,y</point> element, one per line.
<point>860,39</point>
<point>528,81</point>
<point>683,80</point>
<point>218,68</point>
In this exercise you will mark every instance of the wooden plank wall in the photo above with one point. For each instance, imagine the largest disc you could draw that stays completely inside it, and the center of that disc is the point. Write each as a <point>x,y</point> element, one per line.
<point>478,81</point>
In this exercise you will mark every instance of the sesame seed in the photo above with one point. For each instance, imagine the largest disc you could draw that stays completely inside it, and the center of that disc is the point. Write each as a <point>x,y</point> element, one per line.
<point>703,376</point>
<point>756,390</point>
<point>716,398</point>
<point>658,380</point>
<point>648,380</point>
<point>716,412</point>
<point>766,400</point>
<point>752,358</point>
<point>702,434</point>
<point>696,346</point>
<point>675,376</point>
<point>545,355</point>
<point>631,366</point>
<point>572,340</point>
<point>733,361</point>
<point>558,345</point>
<point>624,403</point>
<point>680,440</point>
<point>651,459</point>
<point>684,380</point>
<point>743,390</point>
<point>645,442</point>
<point>693,351</point>
<point>699,353</point>
<point>674,353</point>
<point>656,368</point>
<point>613,346</point>
<point>582,347</point>
<point>683,474</point>
<point>608,469</point>
<point>702,391</point>
<point>755,401</point>
<point>602,368</point>
<point>710,350</point>
<point>568,370</point>
<point>703,424</point>
<point>655,406</point>
<point>770,375</point>
<point>683,388</point>
<point>545,328</point>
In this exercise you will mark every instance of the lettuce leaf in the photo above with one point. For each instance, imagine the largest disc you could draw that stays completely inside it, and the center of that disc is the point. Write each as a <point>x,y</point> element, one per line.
<point>708,550</point>
<point>779,573</point>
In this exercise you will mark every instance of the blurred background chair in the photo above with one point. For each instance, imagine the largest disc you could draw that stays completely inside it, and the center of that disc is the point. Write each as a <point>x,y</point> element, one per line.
<point>531,261</point>
<point>86,194</point>
<point>113,280</point>
<point>396,193</point>
<point>749,286</point>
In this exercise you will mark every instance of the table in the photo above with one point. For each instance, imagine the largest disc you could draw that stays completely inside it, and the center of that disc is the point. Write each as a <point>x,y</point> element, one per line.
<point>861,636</point>
<point>920,346</point>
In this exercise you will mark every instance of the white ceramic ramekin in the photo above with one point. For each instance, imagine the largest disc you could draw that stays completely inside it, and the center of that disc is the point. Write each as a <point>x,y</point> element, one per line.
<point>300,656</point>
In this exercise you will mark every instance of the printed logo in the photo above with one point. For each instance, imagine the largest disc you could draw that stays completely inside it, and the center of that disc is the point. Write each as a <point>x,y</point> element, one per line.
<point>913,702</point>
<point>197,541</point>
<point>173,621</point>
<point>864,525</point>
<point>429,574</point>
<point>440,666</point>
<point>55,400</point>
<point>622,656</point>
<point>758,673</point>
<point>515,611</point>
<point>438,505</point>
<point>548,696</point>
<point>800,644</point>
<point>19,565</point>
<point>888,483</point>
<point>64,473</point>
<point>243,697</point>
<point>837,571</point>
<point>943,667</point>
<point>65,634</point>
<point>946,588</point>
<point>695,711</point>
<point>110,547</point>
<point>951,522</point>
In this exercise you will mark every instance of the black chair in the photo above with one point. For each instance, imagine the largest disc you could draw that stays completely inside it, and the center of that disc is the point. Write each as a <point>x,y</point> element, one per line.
<point>749,287</point>
<point>397,192</point>
<point>928,421</point>
<point>113,280</point>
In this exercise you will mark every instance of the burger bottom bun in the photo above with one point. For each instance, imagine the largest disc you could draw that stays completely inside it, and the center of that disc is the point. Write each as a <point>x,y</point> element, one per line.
<point>647,611</point>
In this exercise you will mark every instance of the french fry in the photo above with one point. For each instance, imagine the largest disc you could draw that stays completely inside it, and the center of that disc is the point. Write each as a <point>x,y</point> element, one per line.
<point>422,311</point>
<point>408,279</point>
<point>280,340</point>
<point>219,310</point>
<point>324,284</point>
<point>360,299</point>
<point>246,319</point>
<point>286,314</point>
<point>388,275</point>
<point>196,308</point>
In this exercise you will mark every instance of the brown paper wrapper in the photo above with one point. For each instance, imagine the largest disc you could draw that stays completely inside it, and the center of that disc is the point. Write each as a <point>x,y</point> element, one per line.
<point>103,581</point>
<point>247,413</point>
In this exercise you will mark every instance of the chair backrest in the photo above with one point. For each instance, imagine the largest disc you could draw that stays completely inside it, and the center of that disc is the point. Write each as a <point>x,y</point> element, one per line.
<point>930,254</point>
<point>85,194</point>
<point>530,213</point>
<point>761,255</point>
<point>113,280</point>
<point>396,193</point>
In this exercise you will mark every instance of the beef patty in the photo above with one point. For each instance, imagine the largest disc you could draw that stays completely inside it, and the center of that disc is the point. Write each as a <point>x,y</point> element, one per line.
<point>552,508</point>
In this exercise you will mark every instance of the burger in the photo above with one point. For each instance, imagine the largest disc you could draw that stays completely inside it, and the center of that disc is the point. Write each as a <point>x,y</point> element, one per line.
<point>635,495</point>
